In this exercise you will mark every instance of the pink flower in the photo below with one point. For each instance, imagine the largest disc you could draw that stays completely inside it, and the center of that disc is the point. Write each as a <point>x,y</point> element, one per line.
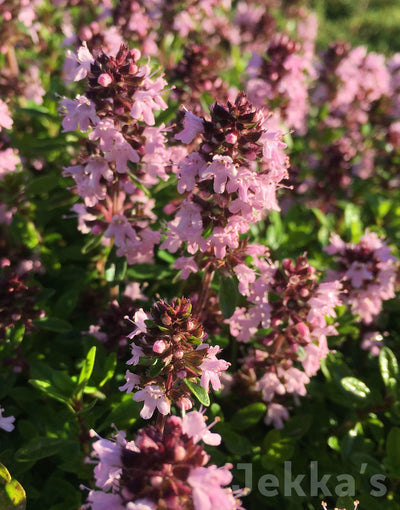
<point>5,118</point>
<point>269,384</point>
<point>139,320</point>
<point>194,425</point>
<point>153,397</point>
<point>99,500</point>
<point>9,160</point>
<point>211,368</point>
<point>276,414</point>
<point>114,145</point>
<point>246,276</point>
<point>108,469</point>
<point>84,59</point>
<point>132,380</point>
<point>188,170</point>
<point>137,353</point>
<point>145,101</point>
<point>208,492</point>
<point>187,265</point>
<point>192,125</point>
<point>220,170</point>
<point>6,423</point>
<point>79,112</point>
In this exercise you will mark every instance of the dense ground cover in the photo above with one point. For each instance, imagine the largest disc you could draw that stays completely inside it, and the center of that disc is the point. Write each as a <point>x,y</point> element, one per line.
<point>199,217</point>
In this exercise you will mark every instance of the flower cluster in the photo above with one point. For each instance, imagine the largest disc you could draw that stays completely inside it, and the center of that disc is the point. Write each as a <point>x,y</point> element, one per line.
<point>367,271</point>
<point>229,181</point>
<point>286,317</point>
<point>195,74</point>
<point>152,23</point>
<point>125,152</point>
<point>169,356</point>
<point>281,77</point>
<point>161,470</point>
<point>17,302</point>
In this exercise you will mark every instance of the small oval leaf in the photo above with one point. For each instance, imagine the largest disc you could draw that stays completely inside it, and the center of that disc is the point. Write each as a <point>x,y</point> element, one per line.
<point>355,387</point>
<point>199,392</point>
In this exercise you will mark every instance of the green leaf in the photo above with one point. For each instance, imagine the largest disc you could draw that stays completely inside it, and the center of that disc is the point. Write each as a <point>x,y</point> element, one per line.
<point>12,496</point>
<point>297,426</point>
<point>333,442</point>
<point>43,184</point>
<point>156,368</point>
<point>199,392</point>
<point>109,368</point>
<point>50,390</point>
<point>5,476</point>
<point>123,415</point>
<point>92,243</point>
<point>40,448</point>
<point>54,324</point>
<point>345,503</point>
<point>248,416</point>
<point>86,370</point>
<point>356,387</point>
<point>389,367</point>
<point>116,267</point>
<point>234,442</point>
<point>228,295</point>
<point>17,334</point>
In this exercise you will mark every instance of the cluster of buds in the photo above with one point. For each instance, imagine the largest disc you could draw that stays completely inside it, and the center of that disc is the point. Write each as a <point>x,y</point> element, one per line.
<point>280,77</point>
<point>17,303</point>
<point>161,470</point>
<point>287,326</point>
<point>125,152</point>
<point>111,328</point>
<point>255,23</point>
<point>367,271</point>
<point>196,74</point>
<point>328,81</point>
<point>230,180</point>
<point>169,358</point>
<point>332,173</point>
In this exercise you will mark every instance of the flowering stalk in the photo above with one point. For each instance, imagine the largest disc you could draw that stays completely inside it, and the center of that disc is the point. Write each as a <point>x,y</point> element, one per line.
<point>286,326</point>
<point>161,470</point>
<point>367,271</point>
<point>229,181</point>
<point>125,153</point>
<point>170,359</point>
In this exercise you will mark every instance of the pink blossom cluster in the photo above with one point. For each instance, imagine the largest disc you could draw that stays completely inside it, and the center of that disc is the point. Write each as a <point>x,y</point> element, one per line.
<point>367,271</point>
<point>161,469</point>
<point>286,327</point>
<point>169,354</point>
<point>282,77</point>
<point>125,153</point>
<point>151,22</point>
<point>229,181</point>
<point>359,79</point>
